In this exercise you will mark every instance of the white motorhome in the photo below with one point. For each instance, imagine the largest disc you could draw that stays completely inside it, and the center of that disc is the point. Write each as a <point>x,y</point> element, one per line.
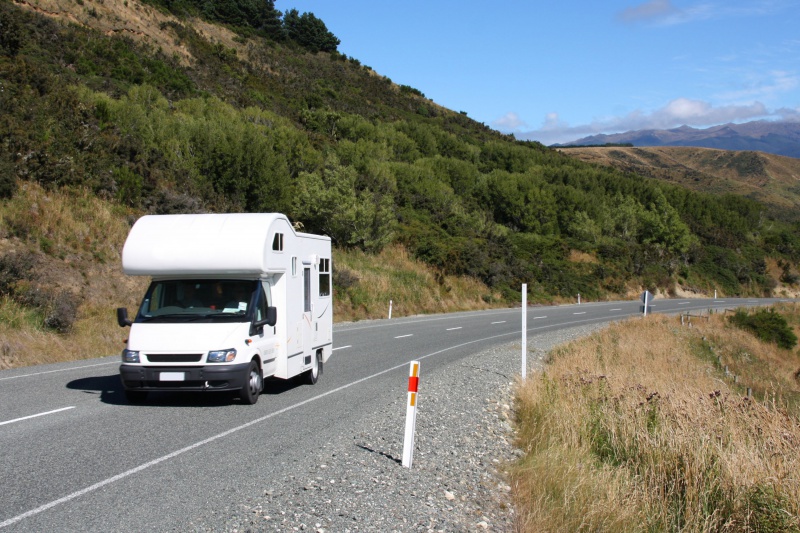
<point>234,299</point>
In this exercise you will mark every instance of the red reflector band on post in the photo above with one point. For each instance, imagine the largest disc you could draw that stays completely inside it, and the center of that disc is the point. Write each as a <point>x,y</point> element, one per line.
<point>413,384</point>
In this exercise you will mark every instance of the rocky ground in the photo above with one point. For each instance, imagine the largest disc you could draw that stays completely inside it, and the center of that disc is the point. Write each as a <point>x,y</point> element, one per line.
<point>464,440</point>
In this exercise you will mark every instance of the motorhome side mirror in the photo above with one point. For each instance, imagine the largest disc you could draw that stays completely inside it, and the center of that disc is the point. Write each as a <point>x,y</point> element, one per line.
<point>272,316</point>
<point>122,317</point>
<point>270,320</point>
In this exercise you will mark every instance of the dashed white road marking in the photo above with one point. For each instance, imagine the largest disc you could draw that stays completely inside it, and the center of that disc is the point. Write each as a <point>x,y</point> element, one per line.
<point>36,415</point>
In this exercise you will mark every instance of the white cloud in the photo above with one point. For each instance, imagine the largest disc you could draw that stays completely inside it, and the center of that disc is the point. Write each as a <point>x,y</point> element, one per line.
<point>509,122</point>
<point>665,13</point>
<point>678,112</point>
<point>780,82</point>
<point>654,9</point>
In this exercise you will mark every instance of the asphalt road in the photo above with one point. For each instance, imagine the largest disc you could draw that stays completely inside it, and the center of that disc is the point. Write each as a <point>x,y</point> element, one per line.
<point>76,457</point>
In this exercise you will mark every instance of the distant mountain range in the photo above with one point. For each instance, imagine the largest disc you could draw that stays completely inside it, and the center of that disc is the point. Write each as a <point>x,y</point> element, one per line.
<point>781,138</point>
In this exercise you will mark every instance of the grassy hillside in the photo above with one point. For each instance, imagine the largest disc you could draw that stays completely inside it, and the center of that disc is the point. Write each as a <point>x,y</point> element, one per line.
<point>772,180</point>
<point>116,109</point>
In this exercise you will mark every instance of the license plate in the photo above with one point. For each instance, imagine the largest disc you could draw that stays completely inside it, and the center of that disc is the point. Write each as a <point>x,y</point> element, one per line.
<point>172,376</point>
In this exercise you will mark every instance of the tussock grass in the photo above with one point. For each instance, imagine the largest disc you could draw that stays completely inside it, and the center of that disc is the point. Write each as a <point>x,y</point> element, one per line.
<point>76,239</point>
<point>637,428</point>
<point>66,224</point>
<point>24,342</point>
<point>364,284</point>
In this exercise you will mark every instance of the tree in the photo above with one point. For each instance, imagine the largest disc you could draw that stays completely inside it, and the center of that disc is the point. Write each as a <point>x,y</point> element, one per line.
<point>258,14</point>
<point>328,202</point>
<point>309,32</point>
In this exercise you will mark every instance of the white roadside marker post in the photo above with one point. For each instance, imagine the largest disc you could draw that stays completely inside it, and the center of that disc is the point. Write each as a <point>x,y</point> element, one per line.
<point>411,414</point>
<point>524,330</point>
<point>390,309</point>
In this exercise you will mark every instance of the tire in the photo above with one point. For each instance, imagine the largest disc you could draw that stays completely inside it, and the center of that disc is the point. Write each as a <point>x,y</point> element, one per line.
<point>135,396</point>
<point>253,385</point>
<point>312,375</point>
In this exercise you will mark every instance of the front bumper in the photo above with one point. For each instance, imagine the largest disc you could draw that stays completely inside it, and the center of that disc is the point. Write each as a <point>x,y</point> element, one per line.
<point>195,378</point>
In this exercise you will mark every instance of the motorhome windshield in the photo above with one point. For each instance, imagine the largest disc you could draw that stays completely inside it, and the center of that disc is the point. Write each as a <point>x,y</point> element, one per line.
<point>195,300</point>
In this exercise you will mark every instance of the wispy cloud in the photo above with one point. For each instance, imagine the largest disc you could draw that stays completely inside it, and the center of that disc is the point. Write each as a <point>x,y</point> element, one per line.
<point>666,13</point>
<point>778,82</point>
<point>509,122</point>
<point>649,11</point>
<point>678,112</point>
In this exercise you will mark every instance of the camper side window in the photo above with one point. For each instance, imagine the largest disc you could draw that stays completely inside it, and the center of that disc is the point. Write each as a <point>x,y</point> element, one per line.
<point>277,242</point>
<point>324,277</point>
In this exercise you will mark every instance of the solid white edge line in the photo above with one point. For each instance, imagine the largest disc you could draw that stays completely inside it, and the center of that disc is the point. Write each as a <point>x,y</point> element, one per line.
<point>36,415</point>
<point>59,370</point>
<point>342,347</point>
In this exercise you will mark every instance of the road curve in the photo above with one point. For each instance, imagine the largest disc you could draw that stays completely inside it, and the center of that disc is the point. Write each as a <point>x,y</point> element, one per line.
<point>77,457</point>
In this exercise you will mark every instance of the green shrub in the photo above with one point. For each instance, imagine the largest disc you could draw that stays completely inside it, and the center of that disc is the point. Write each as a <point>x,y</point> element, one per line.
<point>767,325</point>
<point>14,268</point>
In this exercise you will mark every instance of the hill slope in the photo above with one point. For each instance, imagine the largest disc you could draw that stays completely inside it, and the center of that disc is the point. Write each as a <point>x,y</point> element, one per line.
<point>769,179</point>
<point>125,108</point>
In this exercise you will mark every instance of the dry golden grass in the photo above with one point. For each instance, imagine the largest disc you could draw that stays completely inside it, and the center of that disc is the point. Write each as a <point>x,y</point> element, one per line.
<point>136,20</point>
<point>69,224</point>
<point>412,287</point>
<point>577,256</point>
<point>77,239</point>
<point>23,342</point>
<point>638,429</point>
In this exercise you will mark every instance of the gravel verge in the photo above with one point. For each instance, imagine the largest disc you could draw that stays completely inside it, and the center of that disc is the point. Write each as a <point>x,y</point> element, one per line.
<point>463,443</point>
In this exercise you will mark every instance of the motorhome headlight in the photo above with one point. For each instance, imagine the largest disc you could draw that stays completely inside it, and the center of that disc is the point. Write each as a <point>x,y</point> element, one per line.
<point>221,356</point>
<point>130,356</point>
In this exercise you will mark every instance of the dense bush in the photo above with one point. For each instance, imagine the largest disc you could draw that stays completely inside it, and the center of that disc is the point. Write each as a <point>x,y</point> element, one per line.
<point>767,325</point>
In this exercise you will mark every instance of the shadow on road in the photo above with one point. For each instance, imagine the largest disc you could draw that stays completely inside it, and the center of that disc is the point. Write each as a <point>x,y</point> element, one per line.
<point>109,390</point>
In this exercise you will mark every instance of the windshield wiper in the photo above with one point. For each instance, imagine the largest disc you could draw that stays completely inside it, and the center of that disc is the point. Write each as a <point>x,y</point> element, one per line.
<point>188,316</point>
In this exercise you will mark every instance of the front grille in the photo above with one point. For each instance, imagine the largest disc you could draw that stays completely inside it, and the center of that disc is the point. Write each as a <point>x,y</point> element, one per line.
<point>174,357</point>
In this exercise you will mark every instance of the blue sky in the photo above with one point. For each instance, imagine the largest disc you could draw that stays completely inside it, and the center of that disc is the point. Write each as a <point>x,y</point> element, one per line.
<point>559,71</point>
